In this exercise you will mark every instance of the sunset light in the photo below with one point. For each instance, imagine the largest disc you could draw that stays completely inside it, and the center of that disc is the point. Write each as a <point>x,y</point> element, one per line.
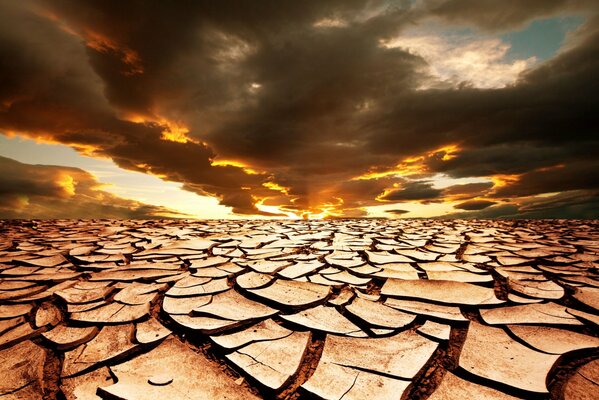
<point>299,199</point>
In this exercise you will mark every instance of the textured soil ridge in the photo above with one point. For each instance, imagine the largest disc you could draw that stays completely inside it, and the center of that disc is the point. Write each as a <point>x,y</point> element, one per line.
<point>336,309</point>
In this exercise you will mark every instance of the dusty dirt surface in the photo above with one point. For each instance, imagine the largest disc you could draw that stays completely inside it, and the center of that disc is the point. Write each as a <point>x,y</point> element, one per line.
<point>339,309</point>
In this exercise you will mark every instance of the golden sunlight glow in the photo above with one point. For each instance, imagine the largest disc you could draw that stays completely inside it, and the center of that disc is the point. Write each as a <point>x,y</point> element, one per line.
<point>504,180</point>
<point>44,138</point>
<point>275,209</point>
<point>172,131</point>
<point>329,209</point>
<point>412,165</point>
<point>21,201</point>
<point>141,185</point>
<point>67,183</point>
<point>175,133</point>
<point>227,163</point>
<point>309,215</point>
<point>327,212</point>
<point>135,118</point>
<point>381,197</point>
<point>320,212</point>
<point>449,152</point>
<point>276,187</point>
<point>232,163</point>
<point>406,167</point>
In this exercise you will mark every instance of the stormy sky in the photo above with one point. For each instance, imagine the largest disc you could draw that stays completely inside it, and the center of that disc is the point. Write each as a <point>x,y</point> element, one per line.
<point>350,108</point>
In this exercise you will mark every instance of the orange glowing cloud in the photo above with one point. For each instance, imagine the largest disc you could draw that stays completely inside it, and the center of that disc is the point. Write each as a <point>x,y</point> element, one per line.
<point>413,164</point>
<point>103,44</point>
<point>172,131</point>
<point>48,191</point>
<point>67,183</point>
<point>356,111</point>
<point>232,163</point>
<point>502,180</point>
<point>276,187</point>
<point>175,133</point>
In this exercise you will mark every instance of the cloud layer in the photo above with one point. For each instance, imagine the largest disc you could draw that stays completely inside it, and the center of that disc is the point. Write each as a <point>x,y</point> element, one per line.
<point>306,106</point>
<point>47,191</point>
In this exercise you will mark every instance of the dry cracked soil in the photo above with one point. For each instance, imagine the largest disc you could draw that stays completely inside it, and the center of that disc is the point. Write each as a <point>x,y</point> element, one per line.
<point>335,309</point>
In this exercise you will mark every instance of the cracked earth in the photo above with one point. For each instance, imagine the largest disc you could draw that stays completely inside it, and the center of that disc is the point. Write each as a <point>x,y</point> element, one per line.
<point>342,309</point>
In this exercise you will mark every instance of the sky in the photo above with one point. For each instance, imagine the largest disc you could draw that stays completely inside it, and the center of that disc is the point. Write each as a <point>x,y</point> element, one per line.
<point>312,109</point>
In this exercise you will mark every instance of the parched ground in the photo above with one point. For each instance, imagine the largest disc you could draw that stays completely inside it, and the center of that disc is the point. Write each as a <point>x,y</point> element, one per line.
<point>343,309</point>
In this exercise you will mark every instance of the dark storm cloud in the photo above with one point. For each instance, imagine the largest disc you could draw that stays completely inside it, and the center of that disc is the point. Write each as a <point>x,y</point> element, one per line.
<point>474,205</point>
<point>176,46</point>
<point>421,191</point>
<point>497,211</point>
<point>49,90</point>
<point>467,190</point>
<point>397,212</point>
<point>424,192</point>
<point>499,15</point>
<point>303,92</point>
<point>573,176</point>
<point>506,158</point>
<point>549,118</point>
<point>573,204</point>
<point>46,191</point>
